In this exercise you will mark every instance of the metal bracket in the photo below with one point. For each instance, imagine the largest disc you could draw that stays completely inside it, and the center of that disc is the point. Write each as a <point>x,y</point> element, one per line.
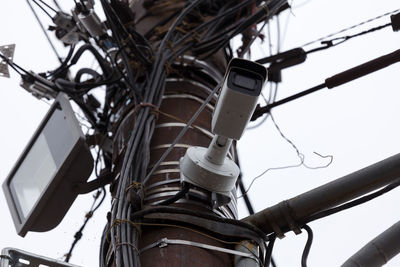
<point>18,258</point>
<point>103,179</point>
<point>8,52</point>
<point>196,169</point>
<point>165,242</point>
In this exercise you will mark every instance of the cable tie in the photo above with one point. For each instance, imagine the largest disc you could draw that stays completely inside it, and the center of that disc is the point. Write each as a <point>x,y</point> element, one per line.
<point>120,221</point>
<point>126,40</point>
<point>275,227</point>
<point>155,110</point>
<point>285,209</point>
<point>135,185</point>
<point>163,242</point>
<point>168,68</point>
<point>128,244</point>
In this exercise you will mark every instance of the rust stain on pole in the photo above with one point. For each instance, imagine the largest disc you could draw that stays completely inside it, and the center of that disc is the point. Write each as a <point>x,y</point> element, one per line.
<point>186,89</point>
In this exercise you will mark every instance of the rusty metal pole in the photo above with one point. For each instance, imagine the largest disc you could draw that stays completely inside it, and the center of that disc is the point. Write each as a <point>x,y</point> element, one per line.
<point>181,100</point>
<point>198,227</point>
<point>187,86</point>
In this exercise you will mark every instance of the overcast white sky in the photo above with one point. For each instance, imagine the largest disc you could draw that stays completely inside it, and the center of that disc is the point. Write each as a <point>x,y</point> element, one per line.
<point>357,123</point>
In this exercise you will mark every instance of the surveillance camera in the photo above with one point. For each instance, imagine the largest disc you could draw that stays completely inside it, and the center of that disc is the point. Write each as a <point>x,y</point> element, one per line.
<point>242,86</point>
<point>209,168</point>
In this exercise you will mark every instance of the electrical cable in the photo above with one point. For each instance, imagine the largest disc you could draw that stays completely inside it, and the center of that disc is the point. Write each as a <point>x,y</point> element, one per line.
<point>135,224</point>
<point>270,247</point>
<point>273,91</point>
<point>88,47</point>
<point>268,170</point>
<point>353,203</point>
<point>113,18</point>
<point>246,198</point>
<point>278,33</point>
<point>287,22</point>
<point>263,14</point>
<point>247,48</point>
<point>269,39</point>
<point>299,155</point>
<point>222,38</point>
<point>15,66</point>
<point>44,10</point>
<point>301,4</point>
<point>94,74</point>
<point>330,43</point>
<point>185,12</point>
<point>43,29</point>
<point>127,79</point>
<point>48,6</point>
<point>177,196</point>
<point>63,66</point>
<point>298,55</point>
<point>57,5</point>
<point>117,36</point>
<point>338,79</point>
<point>121,208</point>
<point>307,247</point>
<point>217,18</point>
<point>11,64</point>
<point>208,216</point>
<point>88,216</point>
<point>273,263</point>
<point>351,27</point>
<point>104,246</point>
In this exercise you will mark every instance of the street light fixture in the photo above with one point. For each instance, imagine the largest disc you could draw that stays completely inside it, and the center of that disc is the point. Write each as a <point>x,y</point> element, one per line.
<point>39,189</point>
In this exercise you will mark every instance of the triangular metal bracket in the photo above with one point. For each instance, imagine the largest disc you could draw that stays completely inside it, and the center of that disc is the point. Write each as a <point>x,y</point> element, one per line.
<point>8,52</point>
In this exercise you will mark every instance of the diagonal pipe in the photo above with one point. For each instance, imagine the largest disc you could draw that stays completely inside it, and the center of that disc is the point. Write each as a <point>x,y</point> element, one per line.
<point>378,251</point>
<point>292,213</point>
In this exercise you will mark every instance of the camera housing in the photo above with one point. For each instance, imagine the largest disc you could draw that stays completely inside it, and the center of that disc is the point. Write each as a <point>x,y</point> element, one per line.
<point>210,168</point>
<point>242,86</point>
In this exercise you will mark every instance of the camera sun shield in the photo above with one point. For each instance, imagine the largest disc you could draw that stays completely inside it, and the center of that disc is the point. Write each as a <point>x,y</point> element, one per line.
<point>242,86</point>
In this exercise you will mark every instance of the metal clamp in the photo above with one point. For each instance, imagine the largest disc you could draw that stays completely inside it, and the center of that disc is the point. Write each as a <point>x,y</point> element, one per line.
<point>165,242</point>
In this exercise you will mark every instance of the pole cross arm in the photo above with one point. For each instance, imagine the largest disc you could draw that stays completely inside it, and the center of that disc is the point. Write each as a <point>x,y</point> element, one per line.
<point>291,214</point>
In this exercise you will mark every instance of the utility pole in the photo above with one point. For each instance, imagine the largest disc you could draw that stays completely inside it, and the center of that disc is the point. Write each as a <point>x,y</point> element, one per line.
<point>189,232</point>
